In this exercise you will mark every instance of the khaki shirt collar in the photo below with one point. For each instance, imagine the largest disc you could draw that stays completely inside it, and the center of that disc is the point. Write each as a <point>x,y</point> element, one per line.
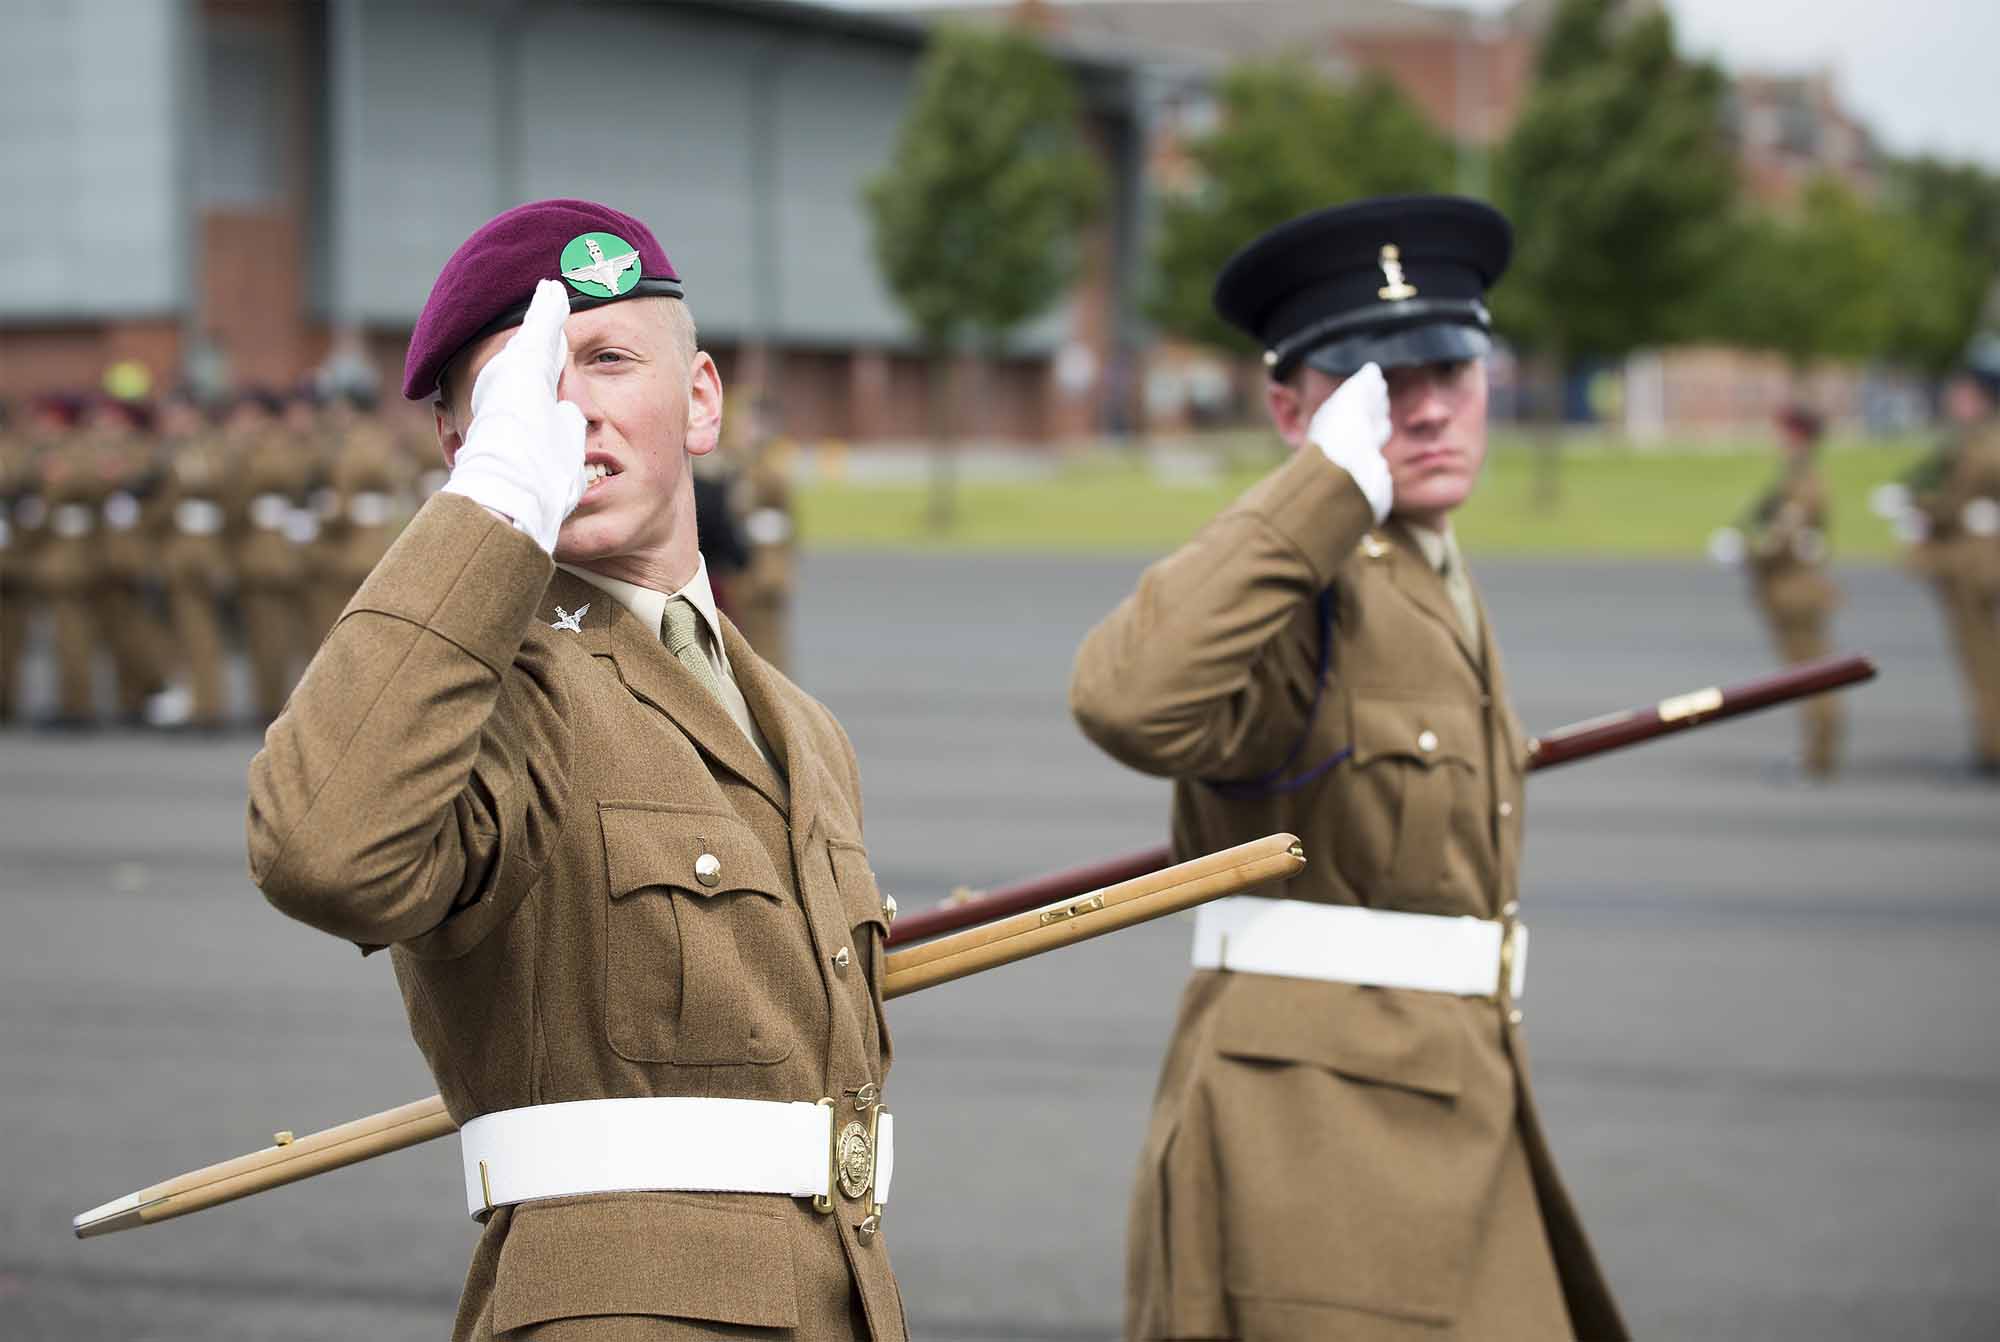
<point>1437,546</point>
<point>650,606</point>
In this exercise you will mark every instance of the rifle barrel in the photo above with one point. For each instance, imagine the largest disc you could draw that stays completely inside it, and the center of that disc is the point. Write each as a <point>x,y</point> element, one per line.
<point>1565,745</point>
<point>1584,739</point>
<point>1136,899</point>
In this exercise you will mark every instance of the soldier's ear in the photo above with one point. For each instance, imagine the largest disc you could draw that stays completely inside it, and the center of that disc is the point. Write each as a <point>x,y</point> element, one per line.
<point>449,440</point>
<point>1287,406</point>
<point>704,408</point>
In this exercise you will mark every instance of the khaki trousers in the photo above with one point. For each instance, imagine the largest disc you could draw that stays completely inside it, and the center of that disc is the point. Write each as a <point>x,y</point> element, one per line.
<point>1972,618</point>
<point>1803,640</point>
<point>137,643</point>
<point>73,628</point>
<point>197,621</point>
<point>13,645</point>
<point>274,634</point>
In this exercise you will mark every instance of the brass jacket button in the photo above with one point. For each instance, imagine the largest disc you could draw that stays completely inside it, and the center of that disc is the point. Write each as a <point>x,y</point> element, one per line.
<point>708,870</point>
<point>889,908</point>
<point>841,959</point>
<point>1427,741</point>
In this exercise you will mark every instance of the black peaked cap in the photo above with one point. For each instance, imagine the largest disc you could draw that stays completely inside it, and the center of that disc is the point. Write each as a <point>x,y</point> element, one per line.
<point>1394,279</point>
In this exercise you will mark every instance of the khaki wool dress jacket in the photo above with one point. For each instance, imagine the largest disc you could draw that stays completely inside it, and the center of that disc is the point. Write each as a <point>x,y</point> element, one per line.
<point>1327,1160</point>
<point>515,801</point>
<point>1786,535</point>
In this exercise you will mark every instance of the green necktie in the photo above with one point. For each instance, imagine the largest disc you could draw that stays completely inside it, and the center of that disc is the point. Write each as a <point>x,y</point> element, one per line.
<point>682,625</point>
<point>1459,588</point>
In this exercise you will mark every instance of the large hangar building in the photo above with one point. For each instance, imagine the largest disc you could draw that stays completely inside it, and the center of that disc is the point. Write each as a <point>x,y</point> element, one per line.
<point>239,188</point>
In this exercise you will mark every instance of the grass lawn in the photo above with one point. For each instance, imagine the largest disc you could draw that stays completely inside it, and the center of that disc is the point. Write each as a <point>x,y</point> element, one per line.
<point>1610,501</point>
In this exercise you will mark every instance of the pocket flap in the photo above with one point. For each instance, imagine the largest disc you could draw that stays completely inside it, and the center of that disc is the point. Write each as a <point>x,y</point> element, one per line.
<point>1395,1037</point>
<point>856,879</point>
<point>655,1255</point>
<point>699,851</point>
<point>1427,731</point>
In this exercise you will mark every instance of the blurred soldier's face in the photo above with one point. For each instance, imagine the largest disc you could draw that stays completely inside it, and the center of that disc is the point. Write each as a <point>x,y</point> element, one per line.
<point>178,419</point>
<point>109,421</point>
<point>1965,401</point>
<point>1437,440</point>
<point>246,420</point>
<point>647,407</point>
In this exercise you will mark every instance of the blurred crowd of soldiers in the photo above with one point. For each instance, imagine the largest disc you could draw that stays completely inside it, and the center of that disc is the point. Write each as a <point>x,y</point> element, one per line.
<point>1947,512</point>
<point>154,536</point>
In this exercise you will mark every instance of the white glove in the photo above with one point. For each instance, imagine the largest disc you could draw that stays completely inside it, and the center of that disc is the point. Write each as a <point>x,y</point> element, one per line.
<point>1725,546</point>
<point>1350,427</point>
<point>1980,517</point>
<point>1889,501</point>
<point>523,454</point>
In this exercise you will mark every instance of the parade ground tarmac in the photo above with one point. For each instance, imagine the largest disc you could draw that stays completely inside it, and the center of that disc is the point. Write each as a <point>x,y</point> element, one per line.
<point>1763,1015</point>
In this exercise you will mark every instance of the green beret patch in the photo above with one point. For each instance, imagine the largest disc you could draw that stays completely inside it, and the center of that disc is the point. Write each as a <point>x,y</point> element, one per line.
<point>600,265</point>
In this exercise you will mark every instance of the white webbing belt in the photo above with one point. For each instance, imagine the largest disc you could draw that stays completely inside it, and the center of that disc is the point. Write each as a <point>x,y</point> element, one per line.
<point>1341,943</point>
<point>659,1144</point>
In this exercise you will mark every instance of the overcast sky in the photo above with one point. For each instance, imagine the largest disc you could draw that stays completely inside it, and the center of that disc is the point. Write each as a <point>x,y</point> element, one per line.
<point>1923,74</point>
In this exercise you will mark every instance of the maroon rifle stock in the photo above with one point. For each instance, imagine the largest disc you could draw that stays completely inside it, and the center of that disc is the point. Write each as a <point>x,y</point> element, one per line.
<point>1617,730</point>
<point>1565,745</point>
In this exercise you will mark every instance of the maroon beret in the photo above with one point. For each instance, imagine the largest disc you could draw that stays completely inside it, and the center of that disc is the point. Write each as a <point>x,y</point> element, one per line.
<point>603,255</point>
<point>1801,419</point>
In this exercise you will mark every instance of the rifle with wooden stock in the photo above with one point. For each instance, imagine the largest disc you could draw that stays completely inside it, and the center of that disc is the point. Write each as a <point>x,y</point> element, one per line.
<point>1565,745</point>
<point>1063,922</point>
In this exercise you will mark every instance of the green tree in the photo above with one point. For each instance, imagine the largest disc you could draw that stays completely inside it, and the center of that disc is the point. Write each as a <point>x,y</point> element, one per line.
<point>1956,206</point>
<point>978,217</point>
<point>1286,142</point>
<point>1619,186</point>
<point>1837,277</point>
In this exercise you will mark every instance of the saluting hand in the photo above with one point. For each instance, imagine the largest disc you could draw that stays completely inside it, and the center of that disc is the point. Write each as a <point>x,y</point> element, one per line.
<point>523,454</point>
<point>1351,427</point>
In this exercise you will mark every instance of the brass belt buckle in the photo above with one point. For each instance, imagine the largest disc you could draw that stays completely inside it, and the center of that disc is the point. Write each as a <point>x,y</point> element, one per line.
<point>1510,954</point>
<point>853,1151</point>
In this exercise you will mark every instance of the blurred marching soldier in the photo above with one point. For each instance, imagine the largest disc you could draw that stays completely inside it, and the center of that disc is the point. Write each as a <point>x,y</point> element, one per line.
<point>15,462</point>
<point>318,524</point>
<point>122,457</point>
<point>1344,1142</point>
<point>1949,509</point>
<point>1783,540</point>
<point>722,546</point>
<point>195,552</point>
<point>50,420</point>
<point>766,584</point>
<point>369,476</point>
<point>618,857</point>
<point>64,566</point>
<point>273,476</point>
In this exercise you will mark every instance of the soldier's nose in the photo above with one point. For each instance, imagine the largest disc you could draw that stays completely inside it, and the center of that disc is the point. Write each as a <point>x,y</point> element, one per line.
<point>576,390</point>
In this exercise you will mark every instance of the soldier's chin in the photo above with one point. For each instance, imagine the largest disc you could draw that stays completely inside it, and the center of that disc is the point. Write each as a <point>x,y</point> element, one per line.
<point>585,537</point>
<point>1437,493</point>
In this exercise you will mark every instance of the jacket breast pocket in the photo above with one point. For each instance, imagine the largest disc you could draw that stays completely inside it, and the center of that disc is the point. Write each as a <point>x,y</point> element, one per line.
<point>690,889</point>
<point>656,1256</point>
<point>1414,763</point>
<point>868,924</point>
